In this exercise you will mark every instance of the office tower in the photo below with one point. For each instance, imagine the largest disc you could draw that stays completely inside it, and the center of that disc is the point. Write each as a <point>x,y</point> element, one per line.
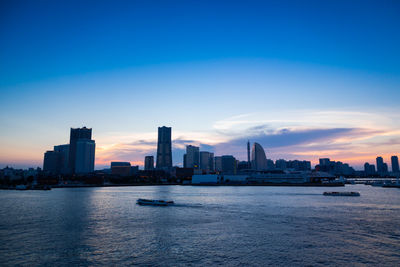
<point>76,135</point>
<point>369,169</point>
<point>380,165</point>
<point>395,164</point>
<point>64,152</point>
<point>164,151</point>
<point>218,164</point>
<point>121,168</point>
<point>385,168</point>
<point>248,155</point>
<point>192,157</point>
<point>206,161</point>
<point>52,162</point>
<point>258,158</point>
<point>84,157</point>
<point>366,168</point>
<point>228,163</point>
<point>148,163</point>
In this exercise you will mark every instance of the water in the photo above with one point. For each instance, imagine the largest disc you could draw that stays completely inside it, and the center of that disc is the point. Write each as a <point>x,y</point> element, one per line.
<point>232,226</point>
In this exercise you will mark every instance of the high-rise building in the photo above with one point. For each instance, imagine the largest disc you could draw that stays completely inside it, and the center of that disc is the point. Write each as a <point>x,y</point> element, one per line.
<point>206,161</point>
<point>81,134</point>
<point>228,163</point>
<point>84,158</point>
<point>369,169</point>
<point>258,158</point>
<point>52,162</point>
<point>218,164</point>
<point>248,155</point>
<point>64,157</point>
<point>164,151</point>
<point>380,165</point>
<point>395,164</point>
<point>148,163</point>
<point>192,157</point>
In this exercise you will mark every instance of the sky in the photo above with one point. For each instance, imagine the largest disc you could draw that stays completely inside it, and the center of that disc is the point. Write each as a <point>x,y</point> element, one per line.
<point>305,79</point>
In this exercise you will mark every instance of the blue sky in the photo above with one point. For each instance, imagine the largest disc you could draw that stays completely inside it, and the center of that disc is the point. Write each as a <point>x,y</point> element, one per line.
<point>327,72</point>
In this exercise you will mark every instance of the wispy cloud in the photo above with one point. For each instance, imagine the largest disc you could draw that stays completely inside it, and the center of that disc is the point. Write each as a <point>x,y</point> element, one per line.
<point>304,135</point>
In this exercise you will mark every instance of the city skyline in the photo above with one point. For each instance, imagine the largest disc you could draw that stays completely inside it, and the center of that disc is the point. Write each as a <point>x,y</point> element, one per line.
<point>295,79</point>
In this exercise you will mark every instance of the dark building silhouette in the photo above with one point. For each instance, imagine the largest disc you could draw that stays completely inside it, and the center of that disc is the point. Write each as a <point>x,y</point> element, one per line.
<point>248,155</point>
<point>52,162</point>
<point>380,165</point>
<point>228,163</point>
<point>206,161</point>
<point>369,169</point>
<point>81,150</point>
<point>121,168</point>
<point>164,151</point>
<point>64,157</point>
<point>395,164</point>
<point>192,157</point>
<point>148,163</point>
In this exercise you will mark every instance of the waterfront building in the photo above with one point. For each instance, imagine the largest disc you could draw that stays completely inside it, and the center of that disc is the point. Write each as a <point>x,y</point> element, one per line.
<point>258,158</point>
<point>84,159</point>
<point>228,164</point>
<point>369,169</point>
<point>64,157</point>
<point>148,163</point>
<point>281,164</point>
<point>270,164</point>
<point>134,170</point>
<point>242,165</point>
<point>164,150</point>
<point>52,162</point>
<point>395,164</point>
<point>324,162</point>
<point>218,164</point>
<point>248,155</point>
<point>206,161</point>
<point>121,168</point>
<point>78,162</point>
<point>192,159</point>
<point>380,165</point>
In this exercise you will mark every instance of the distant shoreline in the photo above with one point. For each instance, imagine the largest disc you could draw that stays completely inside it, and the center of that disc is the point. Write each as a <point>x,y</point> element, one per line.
<point>205,184</point>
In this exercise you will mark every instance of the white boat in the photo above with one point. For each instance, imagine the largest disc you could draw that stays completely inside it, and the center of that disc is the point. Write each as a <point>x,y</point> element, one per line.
<point>347,194</point>
<point>153,202</point>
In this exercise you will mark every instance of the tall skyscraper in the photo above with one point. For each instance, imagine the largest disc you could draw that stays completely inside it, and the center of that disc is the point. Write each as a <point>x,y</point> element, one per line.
<point>258,158</point>
<point>164,151</point>
<point>380,165</point>
<point>395,164</point>
<point>192,157</point>
<point>81,150</point>
<point>248,155</point>
<point>84,158</point>
<point>148,163</point>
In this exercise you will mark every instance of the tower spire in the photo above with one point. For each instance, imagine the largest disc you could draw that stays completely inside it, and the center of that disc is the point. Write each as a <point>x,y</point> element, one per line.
<point>248,153</point>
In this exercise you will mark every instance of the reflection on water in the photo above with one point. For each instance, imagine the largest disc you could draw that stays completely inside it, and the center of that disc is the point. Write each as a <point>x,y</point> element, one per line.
<point>206,226</point>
